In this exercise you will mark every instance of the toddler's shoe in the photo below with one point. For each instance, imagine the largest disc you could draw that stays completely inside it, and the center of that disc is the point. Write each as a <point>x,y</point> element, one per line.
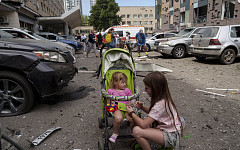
<point>113,138</point>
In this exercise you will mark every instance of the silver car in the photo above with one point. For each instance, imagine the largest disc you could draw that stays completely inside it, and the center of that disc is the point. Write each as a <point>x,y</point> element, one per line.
<point>221,42</point>
<point>157,37</point>
<point>176,46</point>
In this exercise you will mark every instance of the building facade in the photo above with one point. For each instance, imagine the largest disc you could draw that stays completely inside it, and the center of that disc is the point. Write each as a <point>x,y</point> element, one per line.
<point>176,15</point>
<point>138,16</point>
<point>39,15</point>
<point>92,2</point>
<point>69,4</point>
<point>23,13</point>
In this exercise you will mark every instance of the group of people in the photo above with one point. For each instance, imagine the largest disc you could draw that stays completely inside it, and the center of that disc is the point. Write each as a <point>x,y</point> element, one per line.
<point>162,124</point>
<point>93,41</point>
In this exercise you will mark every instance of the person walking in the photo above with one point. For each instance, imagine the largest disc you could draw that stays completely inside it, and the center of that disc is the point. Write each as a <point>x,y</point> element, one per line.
<point>99,40</point>
<point>141,42</point>
<point>91,43</point>
<point>84,40</point>
<point>128,42</point>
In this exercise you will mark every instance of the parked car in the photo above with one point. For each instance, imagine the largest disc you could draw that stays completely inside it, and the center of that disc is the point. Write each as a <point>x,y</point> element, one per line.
<point>221,42</point>
<point>178,45</point>
<point>19,33</point>
<point>30,69</point>
<point>54,37</point>
<point>157,37</point>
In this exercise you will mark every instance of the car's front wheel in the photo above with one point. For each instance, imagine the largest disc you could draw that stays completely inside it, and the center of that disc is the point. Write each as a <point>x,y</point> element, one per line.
<point>16,94</point>
<point>228,56</point>
<point>179,51</point>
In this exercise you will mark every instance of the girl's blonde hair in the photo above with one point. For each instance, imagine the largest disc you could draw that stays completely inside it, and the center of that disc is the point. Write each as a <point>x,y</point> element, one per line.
<point>159,87</point>
<point>116,78</point>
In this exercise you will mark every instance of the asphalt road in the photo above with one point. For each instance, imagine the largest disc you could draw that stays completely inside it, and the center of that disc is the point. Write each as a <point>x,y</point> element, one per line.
<point>212,121</point>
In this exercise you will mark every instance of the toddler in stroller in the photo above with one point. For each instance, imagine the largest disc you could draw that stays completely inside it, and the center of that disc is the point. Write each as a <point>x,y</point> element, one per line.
<point>116,62</point>
<point>118,88</point>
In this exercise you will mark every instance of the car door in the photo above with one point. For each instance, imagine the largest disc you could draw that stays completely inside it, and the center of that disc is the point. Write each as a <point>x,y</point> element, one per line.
<point>235,35</point>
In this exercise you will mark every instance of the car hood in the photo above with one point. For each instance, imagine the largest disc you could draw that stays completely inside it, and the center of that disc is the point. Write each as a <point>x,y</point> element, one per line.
<point>29,44</point>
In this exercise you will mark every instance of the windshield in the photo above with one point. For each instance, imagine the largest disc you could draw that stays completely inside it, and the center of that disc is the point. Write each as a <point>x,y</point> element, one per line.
<point>40,37</point>
<point>184,33</point>
<point>150,35</point>
<point>4,34</point>
<point>37,36</point>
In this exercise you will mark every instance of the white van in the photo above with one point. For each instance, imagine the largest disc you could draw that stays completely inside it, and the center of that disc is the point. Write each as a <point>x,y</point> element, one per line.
<point>121,31</point>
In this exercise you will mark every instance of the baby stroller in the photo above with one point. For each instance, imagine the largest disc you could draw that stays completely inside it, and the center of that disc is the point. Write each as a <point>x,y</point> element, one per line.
<point>115,60</point>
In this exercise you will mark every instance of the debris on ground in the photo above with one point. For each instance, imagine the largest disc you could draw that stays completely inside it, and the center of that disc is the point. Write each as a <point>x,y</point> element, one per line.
<point>81,88</point>
<point>210,92</point>
<point>39,139</point>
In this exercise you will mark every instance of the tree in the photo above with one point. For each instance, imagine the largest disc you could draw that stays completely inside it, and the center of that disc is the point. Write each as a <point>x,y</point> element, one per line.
<point>84,20</point>
<point>104,15</point>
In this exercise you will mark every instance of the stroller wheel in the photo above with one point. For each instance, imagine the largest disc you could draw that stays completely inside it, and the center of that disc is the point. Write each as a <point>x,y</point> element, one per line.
<point>100,122</point>
<point>100,145</point>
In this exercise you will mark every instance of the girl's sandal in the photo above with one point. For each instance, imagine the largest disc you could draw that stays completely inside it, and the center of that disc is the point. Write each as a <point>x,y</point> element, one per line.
<point>113,138</point>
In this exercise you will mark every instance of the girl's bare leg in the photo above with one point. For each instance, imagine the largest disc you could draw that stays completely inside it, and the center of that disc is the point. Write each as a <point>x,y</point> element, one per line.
<point>118,117</point>
<point>143,135</point>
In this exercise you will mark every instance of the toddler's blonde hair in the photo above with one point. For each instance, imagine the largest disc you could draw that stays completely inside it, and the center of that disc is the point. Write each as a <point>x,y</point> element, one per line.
<point>116,78</point>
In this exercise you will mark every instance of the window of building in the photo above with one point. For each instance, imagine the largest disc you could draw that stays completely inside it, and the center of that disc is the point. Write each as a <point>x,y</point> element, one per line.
<point>151,29</point>
<point>123,22</point>
<point>129,22</point>
<point>134,15</point>
<point>151,22</point>
<point>134,22</point>
<point>170,3</point>
<point>146,28</point>
<point>228,7</point>
<point>139,15</point>
<point>150,15</point>
<point>123,16</point>
<point>76,31</point>
<point>182,15</point>
<point>140,22</point>
<point>145,22</point>
<point>200,14</point>
<point>146,15</point>
<point>128,16</point>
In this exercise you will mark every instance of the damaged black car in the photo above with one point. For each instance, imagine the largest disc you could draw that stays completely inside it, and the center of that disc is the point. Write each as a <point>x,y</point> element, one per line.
<point>31,69</point>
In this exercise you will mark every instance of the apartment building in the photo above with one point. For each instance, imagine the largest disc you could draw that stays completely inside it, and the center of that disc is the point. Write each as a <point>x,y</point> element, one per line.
<point>178,14</point>
<point>35,15</point>
<point>69,4</point>
<point>141,16</point>
<point>23,13</point>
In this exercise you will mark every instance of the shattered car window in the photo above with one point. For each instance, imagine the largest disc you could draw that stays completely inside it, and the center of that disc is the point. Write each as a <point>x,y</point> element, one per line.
<point>4,34</point>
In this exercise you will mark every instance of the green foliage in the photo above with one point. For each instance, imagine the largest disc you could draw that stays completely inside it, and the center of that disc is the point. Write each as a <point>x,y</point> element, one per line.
<point>104,15</point>
<point>84,20</point>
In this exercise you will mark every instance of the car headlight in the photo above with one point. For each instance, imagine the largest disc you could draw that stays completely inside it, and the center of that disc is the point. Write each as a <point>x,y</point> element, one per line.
<point>164,43</point>
<point>50,56</point>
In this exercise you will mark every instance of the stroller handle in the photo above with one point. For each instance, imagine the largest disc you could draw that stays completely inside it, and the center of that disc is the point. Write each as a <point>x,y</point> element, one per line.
<point>121,98</point>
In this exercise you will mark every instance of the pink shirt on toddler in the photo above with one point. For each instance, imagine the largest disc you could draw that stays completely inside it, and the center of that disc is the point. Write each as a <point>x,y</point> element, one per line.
<point>164,117</point>
<point>125,92</point>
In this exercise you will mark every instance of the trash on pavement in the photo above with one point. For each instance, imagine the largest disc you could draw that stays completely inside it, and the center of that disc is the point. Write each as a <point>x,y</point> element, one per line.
<point>39,139</point>
<point>81,88</point>
<point>187,137</point>
<point>222,89</point>
<point>210,92</point>
<point>150,67</point>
